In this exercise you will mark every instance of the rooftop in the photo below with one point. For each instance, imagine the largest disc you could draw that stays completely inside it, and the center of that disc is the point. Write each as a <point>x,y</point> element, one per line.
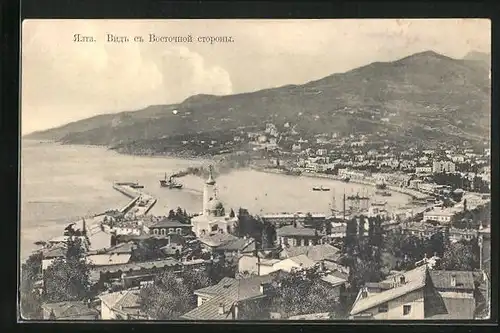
<point>54,252</point>
<point>168,223</point>
<point>121,248</point>
<point>239,244</point>
<point>289,230</point>
<point>64,310</point>
<point>226,293</point>
<point>442,280</point>
<point>413,280</point>
<point>217,239</point>
<point>314,252</point>
<point>169,262</point>
<point>126,301</point>
<point>107,259</point>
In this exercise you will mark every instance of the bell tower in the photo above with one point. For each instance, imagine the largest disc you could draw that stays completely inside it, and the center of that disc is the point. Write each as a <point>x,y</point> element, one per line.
<point>208,191</point>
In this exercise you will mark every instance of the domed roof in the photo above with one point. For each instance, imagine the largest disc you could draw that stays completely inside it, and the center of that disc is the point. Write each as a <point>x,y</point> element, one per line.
<point>213,204</point>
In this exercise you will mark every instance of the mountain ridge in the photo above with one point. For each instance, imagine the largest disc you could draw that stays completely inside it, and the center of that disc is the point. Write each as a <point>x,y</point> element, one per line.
<point>423,91</point>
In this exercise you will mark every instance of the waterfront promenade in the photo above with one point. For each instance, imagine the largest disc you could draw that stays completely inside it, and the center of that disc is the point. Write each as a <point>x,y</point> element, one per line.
<point>369,182</point>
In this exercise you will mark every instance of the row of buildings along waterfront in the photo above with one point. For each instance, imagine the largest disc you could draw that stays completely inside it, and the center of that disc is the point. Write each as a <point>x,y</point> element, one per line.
<point>299,245</point>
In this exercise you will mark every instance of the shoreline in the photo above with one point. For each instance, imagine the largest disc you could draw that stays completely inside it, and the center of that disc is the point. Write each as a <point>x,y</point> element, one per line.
<point>414,194</point>
<point>409,192</point>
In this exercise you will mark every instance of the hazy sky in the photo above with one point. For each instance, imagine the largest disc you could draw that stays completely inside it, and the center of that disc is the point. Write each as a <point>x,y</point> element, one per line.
<point>63,81</point>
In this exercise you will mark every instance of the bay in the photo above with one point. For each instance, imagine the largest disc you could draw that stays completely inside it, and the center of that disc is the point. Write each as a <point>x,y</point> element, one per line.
<point>61,183</point>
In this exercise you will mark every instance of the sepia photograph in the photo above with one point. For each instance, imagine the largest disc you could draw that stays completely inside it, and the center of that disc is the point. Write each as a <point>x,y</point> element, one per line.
<point>255,170</point>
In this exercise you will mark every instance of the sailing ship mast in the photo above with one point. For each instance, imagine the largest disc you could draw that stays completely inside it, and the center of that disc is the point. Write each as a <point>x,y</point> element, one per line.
<point>343,208</point>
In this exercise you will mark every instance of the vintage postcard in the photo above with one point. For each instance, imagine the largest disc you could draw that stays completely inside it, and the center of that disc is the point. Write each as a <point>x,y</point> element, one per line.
<point>201,170</point>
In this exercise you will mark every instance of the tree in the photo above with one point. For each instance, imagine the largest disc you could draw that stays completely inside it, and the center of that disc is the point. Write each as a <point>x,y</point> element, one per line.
<point>30,301</point>
<point>196,279</point>
<point>220,209</point>
<point>350,239</point>
<point>231,213</point>
<point>303,292</point>
<point>220,268</point>
<point>179,213</point>
<point>167,299</point>
<point>308,220</point>
<point>171,296</point>
<point>67,279</point>
<point>268,235</point>
<point>147,249</point>
<point>460,256</point>
<point>171,214</point>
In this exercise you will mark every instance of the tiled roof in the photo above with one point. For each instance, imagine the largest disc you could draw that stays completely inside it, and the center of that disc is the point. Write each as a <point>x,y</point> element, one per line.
<point>302,261</point>
<point>69,309</point>
<point>239,244</point>
<point>216,240</point>
<point>315,252</point>
<point>333,280</point>
<point>290,230</point>
<point>414,280</point>
<point>227,292</point>
<point>167,223</point>
<point>169,262</point>
<point>122,248</point>
<point>54,252</point>
<point>209,310</point>
<point>108,259</point>
<point>126,301</point>
<point>442,280</point>
<point>239,288</point>
<point>218,288</point>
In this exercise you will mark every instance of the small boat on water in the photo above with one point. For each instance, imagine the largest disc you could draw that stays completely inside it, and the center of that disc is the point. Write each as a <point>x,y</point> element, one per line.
<point>383,193</point>
<point>357,197</point>
<point>170,183</point>
<point>136,185</point>
<point>320,188</point>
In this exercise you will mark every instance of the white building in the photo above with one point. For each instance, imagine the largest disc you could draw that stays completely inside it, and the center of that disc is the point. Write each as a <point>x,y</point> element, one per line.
<point>212,220</point>
<point>423,170</point>
<point>443,167</point>
<point>440,215</point>
<point>321,152</point>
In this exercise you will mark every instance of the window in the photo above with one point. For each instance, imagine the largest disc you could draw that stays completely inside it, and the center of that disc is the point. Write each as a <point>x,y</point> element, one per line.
<point>383,307</point>
<point>162,232</point>
<point>155,231</point>
<point>215,227</point>
<point>406,310</point>
<point>179,230</point>
<point>171,230</point>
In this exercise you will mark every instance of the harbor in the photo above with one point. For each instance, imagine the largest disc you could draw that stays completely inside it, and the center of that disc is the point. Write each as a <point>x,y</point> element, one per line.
<point>141,202</point>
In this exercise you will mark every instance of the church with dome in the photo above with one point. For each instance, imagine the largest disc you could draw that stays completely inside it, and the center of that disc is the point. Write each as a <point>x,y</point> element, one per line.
<point>213,219</point>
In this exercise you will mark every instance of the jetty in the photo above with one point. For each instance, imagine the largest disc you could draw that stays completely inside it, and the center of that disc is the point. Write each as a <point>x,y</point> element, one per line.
<point>141,202</point>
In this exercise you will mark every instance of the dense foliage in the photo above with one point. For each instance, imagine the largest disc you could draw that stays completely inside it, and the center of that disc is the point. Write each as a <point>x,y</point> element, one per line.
<point>263,232</point>
<point>30,298</point>
<point>67,279</point>
<point>172,295</point>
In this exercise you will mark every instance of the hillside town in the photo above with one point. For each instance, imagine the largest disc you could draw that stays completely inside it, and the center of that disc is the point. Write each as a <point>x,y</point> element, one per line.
<point>365,261</point>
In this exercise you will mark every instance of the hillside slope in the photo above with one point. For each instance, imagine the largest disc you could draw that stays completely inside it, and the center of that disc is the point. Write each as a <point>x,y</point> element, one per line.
<point>421,97</point>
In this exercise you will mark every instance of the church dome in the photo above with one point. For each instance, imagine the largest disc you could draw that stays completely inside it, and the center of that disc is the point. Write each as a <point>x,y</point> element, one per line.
<point>213,205</point>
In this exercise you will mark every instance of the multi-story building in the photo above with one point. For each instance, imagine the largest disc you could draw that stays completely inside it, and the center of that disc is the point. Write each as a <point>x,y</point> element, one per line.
<point>417,294</point>
<point>440,215</point>
<point>443,167</point>
<point>423,170</point>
